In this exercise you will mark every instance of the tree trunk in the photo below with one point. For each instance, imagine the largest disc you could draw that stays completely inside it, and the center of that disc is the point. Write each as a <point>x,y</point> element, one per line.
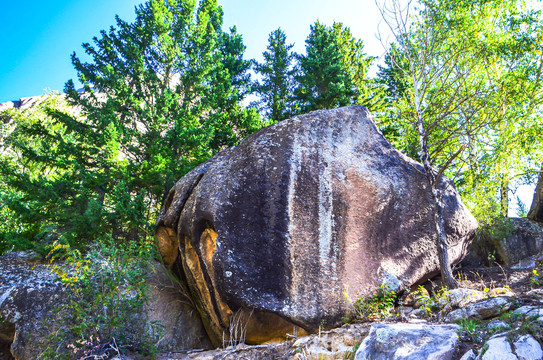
<point>441,236</point>
<point>441,241</point>
<point>504,197</point>
<point>536,210</point>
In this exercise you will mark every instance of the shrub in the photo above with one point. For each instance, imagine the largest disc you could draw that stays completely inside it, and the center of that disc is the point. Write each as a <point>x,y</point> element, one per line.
<point>104,312</point>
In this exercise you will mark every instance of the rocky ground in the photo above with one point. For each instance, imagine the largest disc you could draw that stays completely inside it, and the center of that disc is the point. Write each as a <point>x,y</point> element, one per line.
<point>496,314</point>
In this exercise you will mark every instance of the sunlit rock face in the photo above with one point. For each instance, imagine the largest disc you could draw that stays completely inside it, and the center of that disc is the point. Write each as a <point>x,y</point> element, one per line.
<point>280,229</point>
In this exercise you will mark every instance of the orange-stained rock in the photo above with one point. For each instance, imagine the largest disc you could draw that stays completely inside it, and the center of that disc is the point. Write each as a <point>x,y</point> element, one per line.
<point>302,212</point>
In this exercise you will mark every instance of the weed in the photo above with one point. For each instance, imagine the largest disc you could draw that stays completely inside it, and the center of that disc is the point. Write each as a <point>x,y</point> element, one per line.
<point>472,330</point>
<point>377,306</point>
<point>535,279</point>
<point>428,304</point>
<point>237,329</point>
<point>349,355</point>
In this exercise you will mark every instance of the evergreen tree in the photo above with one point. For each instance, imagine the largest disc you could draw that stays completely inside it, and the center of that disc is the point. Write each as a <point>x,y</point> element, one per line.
<point>275,88</point>
<point>323,80</point>
<point>161,95</point>
<point>50,173</point>
<point>369,93</point>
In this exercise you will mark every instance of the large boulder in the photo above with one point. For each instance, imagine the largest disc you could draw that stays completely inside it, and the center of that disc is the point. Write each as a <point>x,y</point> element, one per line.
<point>29,295</point>
<point>275,231</point>
<point>525,240</point>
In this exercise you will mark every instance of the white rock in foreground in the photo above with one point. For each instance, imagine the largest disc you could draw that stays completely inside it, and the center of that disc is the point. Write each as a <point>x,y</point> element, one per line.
<point>409,342</point>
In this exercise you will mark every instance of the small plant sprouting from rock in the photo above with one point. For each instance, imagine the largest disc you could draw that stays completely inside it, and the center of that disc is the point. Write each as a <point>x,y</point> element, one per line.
<point>378,306</point>
<point>535,279</point>
<point>472,330</point>
<point>350,355</point>
<point>237,329</point>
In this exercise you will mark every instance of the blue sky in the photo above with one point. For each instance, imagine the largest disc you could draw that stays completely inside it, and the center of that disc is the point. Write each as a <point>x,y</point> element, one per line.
<point>40,36</point>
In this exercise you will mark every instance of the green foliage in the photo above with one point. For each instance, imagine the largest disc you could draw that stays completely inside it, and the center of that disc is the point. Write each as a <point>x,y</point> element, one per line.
<point>429,304</point>
<point>324,81</point>
<point>275,88</point>
<point>350,355</point>
<point>332,73</point>
<point>471,73</point>
<point>160,96</point>
<point>472,330</point>
<point>45,188</point>
<point>375,307</point>
<point>357,63</point>
<point>104,312</point>
<point>535,279</point>
<point>489,235</point>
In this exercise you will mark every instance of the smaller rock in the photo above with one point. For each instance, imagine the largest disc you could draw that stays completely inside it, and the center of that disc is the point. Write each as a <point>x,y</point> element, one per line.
<point>404,312</point>
<point>498,349</point>
<point>333,344</point>
<point>409,341</point>
<point>470,355</point>
<point>489,308</point>
<point>462,297</point>
<point>535,292</point>
<point>522,245</point>
<point>456,315</point>
<point>529,311</point>
<point>525,264</point>
<point>418,314</point>
<point>527,348</point>
<point>497,324</point>
<point>482,310</point>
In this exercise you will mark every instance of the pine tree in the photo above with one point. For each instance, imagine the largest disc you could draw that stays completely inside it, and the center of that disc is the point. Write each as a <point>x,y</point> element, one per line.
<point>275,88</point>
<point>160,95</point>
<point>323,79</point>
<point>357,63</point>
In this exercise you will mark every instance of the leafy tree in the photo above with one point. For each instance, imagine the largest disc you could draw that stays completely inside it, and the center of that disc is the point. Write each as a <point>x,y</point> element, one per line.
<point>324,82</point>
<point>48,178</point>
<point>275,88</point>
<point>452,96</point>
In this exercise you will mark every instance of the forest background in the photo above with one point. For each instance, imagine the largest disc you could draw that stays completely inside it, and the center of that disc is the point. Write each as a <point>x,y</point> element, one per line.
<point>168,90</point>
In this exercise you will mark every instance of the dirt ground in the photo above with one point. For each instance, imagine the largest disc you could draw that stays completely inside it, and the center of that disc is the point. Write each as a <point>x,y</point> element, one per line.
<point>518,280</point>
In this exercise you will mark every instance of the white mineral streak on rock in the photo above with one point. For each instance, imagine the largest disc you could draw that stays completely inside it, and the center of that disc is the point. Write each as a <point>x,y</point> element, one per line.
<point>292,179</point>
<point>326,221</point>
